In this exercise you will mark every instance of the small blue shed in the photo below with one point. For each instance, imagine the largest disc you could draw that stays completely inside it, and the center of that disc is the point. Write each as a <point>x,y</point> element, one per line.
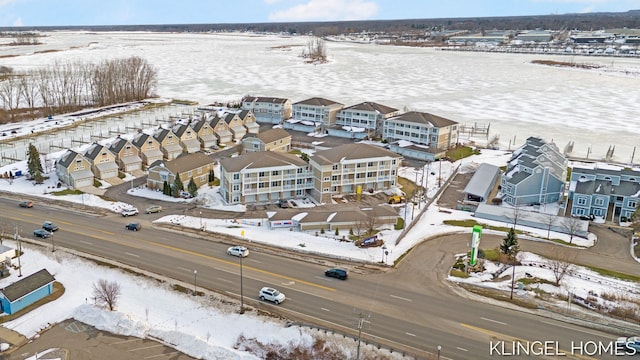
<point>25,292</point>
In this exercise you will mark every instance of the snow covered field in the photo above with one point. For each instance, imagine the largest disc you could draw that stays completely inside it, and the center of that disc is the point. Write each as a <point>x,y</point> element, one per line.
<point>596,109</point>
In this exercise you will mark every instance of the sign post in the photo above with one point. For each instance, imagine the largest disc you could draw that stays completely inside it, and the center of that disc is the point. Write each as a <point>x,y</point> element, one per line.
<point>476,234</point>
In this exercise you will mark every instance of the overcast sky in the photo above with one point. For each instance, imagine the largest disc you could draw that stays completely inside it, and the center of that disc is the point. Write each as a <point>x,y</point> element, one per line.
<point>140,12</point>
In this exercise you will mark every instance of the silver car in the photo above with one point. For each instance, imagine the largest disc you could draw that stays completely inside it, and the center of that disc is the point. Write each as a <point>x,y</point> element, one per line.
<point>239,251</point>
<point>271,294</point>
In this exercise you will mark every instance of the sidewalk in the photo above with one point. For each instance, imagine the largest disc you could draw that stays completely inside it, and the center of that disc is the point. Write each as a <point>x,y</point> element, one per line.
<point>14,339</point>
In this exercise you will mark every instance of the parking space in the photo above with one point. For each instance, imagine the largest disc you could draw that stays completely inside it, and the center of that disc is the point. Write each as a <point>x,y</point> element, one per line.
<point>76,340</point>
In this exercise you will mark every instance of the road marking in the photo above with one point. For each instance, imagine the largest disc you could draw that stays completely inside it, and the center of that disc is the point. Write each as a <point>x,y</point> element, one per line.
<point>185,269</point>
<point>161,355</point>
<point>400,298</point>
<point>130,254</point>
<point>86,242</point>
<point>463,349</point>
<point>147,347</point>
<point>494,321</point>
<point>233,263</point>
<point>325,309</point>
<point>500,336</point>
<point>290,283</point>
<point>410,334</point>
<point>225,280</point>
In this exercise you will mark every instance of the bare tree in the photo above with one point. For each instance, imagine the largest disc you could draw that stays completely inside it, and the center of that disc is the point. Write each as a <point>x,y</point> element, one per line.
<point>316,50</point>
<point>549,220</point>
<point>29,91</point>
<point>516,213</point>
<point>562,265</point>
<point>107,293</point>
<point>571,225</point>
<point>10,94</point>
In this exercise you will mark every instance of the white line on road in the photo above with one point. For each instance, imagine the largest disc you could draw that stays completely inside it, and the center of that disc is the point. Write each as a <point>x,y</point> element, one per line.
<point>401,298</point>
<point>85,242</point>
<point>130,254</point>
<point>410,334</point>
<point>495,321</point>
<point>225,280</point>
<point>185,269</point>
<point>325,309</point>
<point>463,349</point>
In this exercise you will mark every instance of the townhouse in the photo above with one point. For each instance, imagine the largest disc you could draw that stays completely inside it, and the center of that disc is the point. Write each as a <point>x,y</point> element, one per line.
<point>194,166</point>
<point>102,160</point>
<point>264,177</point>
<point>236,126</point>
<point>536,174</point>
<point>127,155</point>
<point>74,170</point>
<point>369,116</point>
<point>205,134</point>
<point>187,138</point>
<point>268,109</point>
<point>352,168</point>
<point>271,140</point>
<point>317,110</point>
<point>148,147</point>
<point>249,121</point>
<point>169,143</point>
<point>221,130</point>
<point>610,193</point>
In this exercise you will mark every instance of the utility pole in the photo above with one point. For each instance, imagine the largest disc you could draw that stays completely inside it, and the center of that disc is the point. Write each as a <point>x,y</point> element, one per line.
<point>17,239</point>
<point>360,324</point>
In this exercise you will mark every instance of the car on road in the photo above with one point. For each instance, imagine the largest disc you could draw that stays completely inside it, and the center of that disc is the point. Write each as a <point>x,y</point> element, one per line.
<point>239,251</point>
<point>129,212</point>
<point>271,294</point>
<point>153,209</point>
<point>41,233</point>
<point>133,226</point>
<point>337,273</point>
<point>629,345</point>
<point>26,204</point>
<point>49,226</point>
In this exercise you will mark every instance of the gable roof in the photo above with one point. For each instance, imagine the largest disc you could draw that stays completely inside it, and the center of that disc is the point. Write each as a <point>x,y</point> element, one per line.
<point>316,101</point>
<point>187,162</point>
<point>198,124</point>
<point>272,135</point>
<point>351,152</point>
<point>161,134</point>
<point>242,114</point>
<point>118,144</point>
<point>67,158</point>
<point>141,139</point>
<point>27,285</point>
<point>94,150</point>
<point>373,107</point>
<point>260,160</point>
<point>424,118</point>
<point>179,129</point>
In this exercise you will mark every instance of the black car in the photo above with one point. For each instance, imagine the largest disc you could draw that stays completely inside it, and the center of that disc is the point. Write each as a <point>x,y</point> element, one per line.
<point>49,226</point>
<point>337,273</point>
<point>133,226</point>
<point>41,233</point>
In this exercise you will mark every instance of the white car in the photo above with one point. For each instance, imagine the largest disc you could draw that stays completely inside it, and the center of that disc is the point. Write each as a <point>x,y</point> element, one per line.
<point>129,212</point>
<point>239,251</point>
<point>271,294</point>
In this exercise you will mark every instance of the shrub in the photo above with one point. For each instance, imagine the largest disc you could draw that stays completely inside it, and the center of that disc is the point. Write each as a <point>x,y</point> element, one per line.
<point>496,201</point>
<point>399,224</point>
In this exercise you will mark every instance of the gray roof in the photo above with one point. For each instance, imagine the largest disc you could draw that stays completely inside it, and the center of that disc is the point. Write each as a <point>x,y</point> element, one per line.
<point>28,285</point>
<point>180,129</point>
<point>373,107</point>
<point>141,139</point>
<point>262,99</point>
<point>482,180</point>
<point>272,135</point>
<point>243,113</point>
<point>67,158</point>
<point>198,124</point>
<point>316,101</point>
<point>260,160</point>
<point>185,162</point>
<point>518,177</point>
<point>162,134</point>
<point>351,152</point>
<point>611,172</point>
<point>94,150</point>
<point>216,119</point>
<point>118,144</point>
<point>424,118</point>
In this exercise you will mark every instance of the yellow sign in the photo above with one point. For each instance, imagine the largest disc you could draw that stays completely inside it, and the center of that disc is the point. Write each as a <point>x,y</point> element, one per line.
<point>242,233</point>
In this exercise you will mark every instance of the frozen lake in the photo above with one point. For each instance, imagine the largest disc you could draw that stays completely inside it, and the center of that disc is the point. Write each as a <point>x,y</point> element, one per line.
<point>594,108</point>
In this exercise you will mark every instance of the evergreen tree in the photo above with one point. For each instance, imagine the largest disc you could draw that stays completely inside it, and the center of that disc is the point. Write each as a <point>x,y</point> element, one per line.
<point>166,190</point>
<point>192,188</point>
<point>509,245</point>
<point>212,176</point>
<point>177,186</point>
<point>34,165</point>
<point>304,157</point>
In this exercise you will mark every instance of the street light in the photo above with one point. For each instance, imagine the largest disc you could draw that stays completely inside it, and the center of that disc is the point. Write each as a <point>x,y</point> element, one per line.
<point>195,282</point>
<point>384,248</point>
<point>53,244</point>
<point>439,348</point>
<point>201,228</point>
<point>241,287</point>
<point>513,273</point>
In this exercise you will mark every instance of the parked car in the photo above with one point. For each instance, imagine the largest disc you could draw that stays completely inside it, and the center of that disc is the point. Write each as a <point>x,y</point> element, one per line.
<point>133,226</point>
<point>49,226</point>
<point>153,209</point>
<point>239,251</point>
<point>26,204</point>
<point>129,212</point>
<point>628,345</point>
<point>271,294</point>
<point>185,195</point>
<point>337,273</point>
<point>41,233</point>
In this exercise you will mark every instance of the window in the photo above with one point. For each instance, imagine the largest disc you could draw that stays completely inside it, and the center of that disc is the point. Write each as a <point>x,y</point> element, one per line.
<point>190,174</point>
<point>326,178</point>
<point>325,190</point>
<point>275,172</point>
<point>275,183</point>
<point>299,170</point>
<point>236,176</point>
<point>334,178</point>
<point>598,201</point>
<point>236,187</point>
<point>633,203</point>
<point>262,185</point>
<point>371,174</point>
<point>370,163</point>
<point>261,173</point>
<point>335,167</point>
<point>581,201</point>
